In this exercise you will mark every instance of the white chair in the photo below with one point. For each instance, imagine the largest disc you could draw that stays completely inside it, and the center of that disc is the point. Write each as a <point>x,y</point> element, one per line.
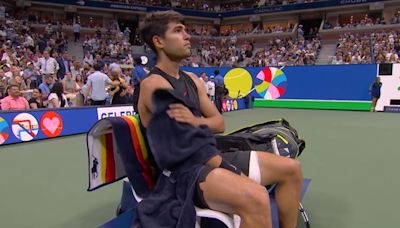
<point>230,221</point>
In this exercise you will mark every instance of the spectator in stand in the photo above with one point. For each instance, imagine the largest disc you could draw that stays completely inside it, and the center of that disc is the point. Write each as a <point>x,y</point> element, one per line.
<point>76,28</point>
<point>14,101</point>
<point>396,18</point>
<point>7,73</point>
<point>204,79</point>
<point>18,81</point>
<point>8,56</point>
<point>75,69</point>
<point>46,87</point>
<point>88,58</point>
<point>211,88</point>
<point>3,84</point>
<point>36,100</point>
<point>70,88</point>
<point>96,86</point>
<point>219,90</point>
<point>79,81</point>
<point>64,65</point>
<point>57,98</point>
<point>138,75</point>
<point>31,76</point>
<point>118,92</point>
<point>48,65</point>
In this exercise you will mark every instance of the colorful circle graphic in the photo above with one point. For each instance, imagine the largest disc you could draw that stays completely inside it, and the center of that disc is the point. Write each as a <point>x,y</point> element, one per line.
<point>4,131</point>
<point>239,82</point>
<point>25,127</point>
<point>51,124</point>
<point>273,83</point>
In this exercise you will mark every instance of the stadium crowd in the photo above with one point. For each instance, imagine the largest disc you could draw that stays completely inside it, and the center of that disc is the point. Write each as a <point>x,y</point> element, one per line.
<point>364,48</point>
<point>212,6</point>
<point>36,70</point>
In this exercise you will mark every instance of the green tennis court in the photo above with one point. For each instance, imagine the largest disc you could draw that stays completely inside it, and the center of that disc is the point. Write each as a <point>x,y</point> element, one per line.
<point>352,158</point>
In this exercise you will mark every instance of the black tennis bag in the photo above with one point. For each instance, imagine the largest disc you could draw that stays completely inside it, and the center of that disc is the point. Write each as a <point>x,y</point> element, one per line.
<point>275,136</point>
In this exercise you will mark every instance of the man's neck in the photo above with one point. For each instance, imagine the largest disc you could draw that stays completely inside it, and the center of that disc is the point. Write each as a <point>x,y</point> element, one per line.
<point>169,67</point>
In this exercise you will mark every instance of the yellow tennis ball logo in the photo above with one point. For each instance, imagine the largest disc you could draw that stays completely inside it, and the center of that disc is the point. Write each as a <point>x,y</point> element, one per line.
<point>239,82</point>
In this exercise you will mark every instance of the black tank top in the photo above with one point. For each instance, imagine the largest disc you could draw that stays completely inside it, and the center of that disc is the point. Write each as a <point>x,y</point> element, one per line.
<point>184,85</point>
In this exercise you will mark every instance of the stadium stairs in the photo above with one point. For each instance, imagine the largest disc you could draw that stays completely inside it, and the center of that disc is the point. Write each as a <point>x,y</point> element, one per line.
<point>327,52</point>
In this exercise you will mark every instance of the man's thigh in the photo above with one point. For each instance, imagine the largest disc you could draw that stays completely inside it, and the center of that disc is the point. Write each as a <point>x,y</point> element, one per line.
<point>274,168</point>
<point>224,190</point>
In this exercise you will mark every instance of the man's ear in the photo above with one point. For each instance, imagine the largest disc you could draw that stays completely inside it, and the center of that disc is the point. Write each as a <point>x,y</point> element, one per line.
<point>158,42</point>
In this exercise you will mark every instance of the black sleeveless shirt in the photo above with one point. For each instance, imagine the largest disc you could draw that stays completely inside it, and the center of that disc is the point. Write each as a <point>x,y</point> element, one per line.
<point>184,86</point>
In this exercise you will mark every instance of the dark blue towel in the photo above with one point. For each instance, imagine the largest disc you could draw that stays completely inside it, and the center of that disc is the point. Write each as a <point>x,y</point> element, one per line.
<point>180,150</point>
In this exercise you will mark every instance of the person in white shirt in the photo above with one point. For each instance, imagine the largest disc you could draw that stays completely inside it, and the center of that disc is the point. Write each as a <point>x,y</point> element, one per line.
<point>96,86</point>
<point>48,65</point>
<point>204,79</point>
<point>76,28</point>
<point>88,58</point>
<point>57,98</point>
<point>211,88</point>
<point>7,71</point>
<point>7,56</point>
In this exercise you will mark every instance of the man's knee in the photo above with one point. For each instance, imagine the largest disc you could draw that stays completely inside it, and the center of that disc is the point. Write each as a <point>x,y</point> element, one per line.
<point>255,198</point>
<point>293,168</point>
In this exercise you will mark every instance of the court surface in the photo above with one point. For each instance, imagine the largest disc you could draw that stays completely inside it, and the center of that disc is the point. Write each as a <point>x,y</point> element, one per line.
<point>352,157</point>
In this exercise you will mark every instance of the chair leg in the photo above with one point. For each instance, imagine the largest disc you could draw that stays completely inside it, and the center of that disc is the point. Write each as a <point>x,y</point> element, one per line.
<point>304,215</point>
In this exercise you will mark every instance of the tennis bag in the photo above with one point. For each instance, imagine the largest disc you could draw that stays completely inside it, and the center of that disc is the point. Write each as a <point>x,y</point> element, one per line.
<point>275,136</point>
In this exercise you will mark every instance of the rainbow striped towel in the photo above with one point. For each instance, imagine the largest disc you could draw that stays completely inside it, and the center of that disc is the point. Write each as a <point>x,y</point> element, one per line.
<point>116,149</point>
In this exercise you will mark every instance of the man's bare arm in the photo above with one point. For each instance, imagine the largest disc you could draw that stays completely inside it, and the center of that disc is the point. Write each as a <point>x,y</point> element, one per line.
<point>212,118</point>
<point>147,88</point>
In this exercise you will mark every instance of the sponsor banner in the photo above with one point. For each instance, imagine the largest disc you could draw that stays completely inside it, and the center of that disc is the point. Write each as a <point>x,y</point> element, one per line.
<point>392,109</point>
<point>114,111</point>
<point>229,105</point>
<point>321,83</point>
<point>31,125</point>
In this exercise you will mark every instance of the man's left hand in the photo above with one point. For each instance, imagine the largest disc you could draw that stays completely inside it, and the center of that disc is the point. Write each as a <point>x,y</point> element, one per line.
<point>182,114</point>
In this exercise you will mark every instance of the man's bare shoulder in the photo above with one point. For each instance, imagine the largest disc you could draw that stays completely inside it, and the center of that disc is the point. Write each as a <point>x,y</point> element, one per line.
<point>154,81</point>
<point>193,76</point>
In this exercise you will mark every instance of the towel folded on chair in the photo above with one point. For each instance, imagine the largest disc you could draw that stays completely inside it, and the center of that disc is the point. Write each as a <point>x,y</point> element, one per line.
<point>116,149</point>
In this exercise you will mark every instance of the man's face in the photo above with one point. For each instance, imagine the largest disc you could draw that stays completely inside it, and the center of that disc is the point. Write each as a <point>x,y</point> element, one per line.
<point>46,54</point>
<point>176,42</point>
<point>13,91</point>
<point>18,79</point>
<point>49,80</point>
<point>35,93</point>
<point>16,71</point>
<point>65,55</point>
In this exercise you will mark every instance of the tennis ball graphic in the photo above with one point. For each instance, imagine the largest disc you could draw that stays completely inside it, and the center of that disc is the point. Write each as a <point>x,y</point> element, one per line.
<point>238,81</point>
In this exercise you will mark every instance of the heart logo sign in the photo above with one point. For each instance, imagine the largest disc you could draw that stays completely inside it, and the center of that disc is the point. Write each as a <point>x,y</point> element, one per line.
<point>51,124</point>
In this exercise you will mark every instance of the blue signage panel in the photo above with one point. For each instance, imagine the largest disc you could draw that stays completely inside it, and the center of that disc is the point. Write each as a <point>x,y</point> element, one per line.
<point>330,82</point>
<point>30,125</point>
